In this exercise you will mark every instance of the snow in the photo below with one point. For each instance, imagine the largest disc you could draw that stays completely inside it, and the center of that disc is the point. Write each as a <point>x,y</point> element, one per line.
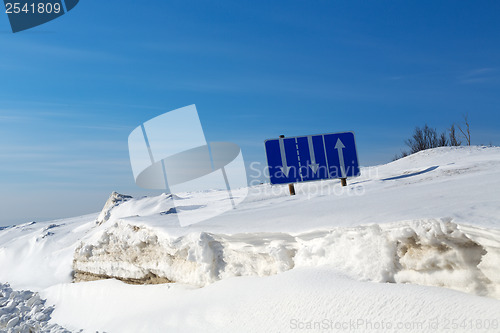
<point>427,252</point>
<point>113,202</point>
<point>417,239</point>
<point>25,311</point>
<point>37,255</point>
<point>267,304</point>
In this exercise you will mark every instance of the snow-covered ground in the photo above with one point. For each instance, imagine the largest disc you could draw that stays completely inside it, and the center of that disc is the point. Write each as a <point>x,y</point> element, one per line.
<point>377,252</point>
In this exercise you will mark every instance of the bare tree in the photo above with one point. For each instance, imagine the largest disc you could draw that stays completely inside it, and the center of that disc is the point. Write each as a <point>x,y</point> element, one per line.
<point>466,130</point>
<point>398,156</point>
<point>454,141</point>
<point>417,142</point>
<point>425,138</point>
<point>442,141</point>
<point>431,137</point>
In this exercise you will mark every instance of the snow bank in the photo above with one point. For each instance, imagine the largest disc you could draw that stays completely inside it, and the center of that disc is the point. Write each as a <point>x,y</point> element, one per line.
<point>37,255</point>
<point>305,257</point>
<point>426,252</point>
<point>25,311</point>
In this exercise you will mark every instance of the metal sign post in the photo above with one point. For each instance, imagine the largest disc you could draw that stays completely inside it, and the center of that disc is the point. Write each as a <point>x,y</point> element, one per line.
<point>291,187</point>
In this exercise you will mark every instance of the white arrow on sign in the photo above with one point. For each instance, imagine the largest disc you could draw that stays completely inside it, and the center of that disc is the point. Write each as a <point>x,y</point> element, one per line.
<point>314,166</point>
<point>285,169</point>
<point>339,146</point>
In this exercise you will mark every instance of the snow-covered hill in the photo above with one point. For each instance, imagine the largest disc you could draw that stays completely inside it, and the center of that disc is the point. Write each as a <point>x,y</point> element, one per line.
<point>277,262</point>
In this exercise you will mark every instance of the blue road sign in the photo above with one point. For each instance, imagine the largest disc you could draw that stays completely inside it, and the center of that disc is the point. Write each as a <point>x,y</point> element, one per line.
<point>312,157</point>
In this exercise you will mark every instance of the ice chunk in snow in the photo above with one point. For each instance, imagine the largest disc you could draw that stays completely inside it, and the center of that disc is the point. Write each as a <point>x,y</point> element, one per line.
<point>25,311</point>
<point>114,200</point>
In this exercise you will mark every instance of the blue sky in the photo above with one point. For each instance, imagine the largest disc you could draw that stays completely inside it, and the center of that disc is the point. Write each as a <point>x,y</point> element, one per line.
<point>73,89</point>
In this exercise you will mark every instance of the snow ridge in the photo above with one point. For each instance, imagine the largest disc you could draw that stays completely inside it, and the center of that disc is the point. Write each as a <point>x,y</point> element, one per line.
<point>433,252</point>
<point>114,200</point>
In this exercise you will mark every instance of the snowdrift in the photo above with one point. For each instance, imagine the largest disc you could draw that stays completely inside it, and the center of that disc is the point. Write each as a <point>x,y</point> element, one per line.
<point>427,252</point>
<point>444,199</point>
<point>376,251</point>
